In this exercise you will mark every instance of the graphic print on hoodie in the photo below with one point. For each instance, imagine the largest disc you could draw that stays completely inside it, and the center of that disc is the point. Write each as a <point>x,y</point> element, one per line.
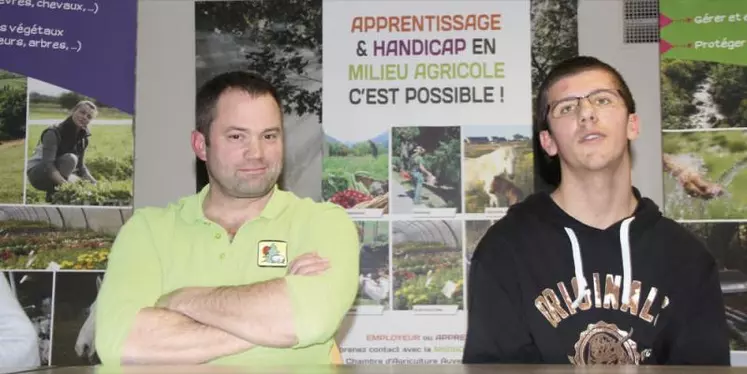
<point>546,288</point>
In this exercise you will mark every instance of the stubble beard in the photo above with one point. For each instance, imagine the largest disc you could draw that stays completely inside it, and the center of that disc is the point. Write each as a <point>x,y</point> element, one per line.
<point>235,185</point>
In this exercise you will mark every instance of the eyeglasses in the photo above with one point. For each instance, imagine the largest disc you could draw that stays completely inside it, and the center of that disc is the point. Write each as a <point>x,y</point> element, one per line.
<point>598,99</point>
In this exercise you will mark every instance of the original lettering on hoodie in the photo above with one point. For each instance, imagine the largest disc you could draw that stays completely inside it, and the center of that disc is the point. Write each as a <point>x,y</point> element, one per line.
<point>555,311</point>
<point>601,341</point>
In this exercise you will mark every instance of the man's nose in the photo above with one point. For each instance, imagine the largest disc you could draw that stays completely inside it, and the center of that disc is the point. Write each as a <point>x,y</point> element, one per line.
<point>253,149</point>
<point>586,112</point>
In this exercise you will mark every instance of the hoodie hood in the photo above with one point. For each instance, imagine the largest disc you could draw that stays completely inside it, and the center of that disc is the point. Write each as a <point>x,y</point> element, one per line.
<point>541,206</point>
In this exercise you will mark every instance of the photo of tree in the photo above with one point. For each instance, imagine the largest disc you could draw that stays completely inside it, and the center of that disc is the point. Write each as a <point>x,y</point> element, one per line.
<point>12,136</point>
<point>702,95</point>
<point>281,40</point>
<point>554,38</point>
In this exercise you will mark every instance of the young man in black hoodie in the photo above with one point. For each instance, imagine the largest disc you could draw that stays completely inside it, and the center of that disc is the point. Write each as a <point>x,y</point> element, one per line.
<point>592,273</point>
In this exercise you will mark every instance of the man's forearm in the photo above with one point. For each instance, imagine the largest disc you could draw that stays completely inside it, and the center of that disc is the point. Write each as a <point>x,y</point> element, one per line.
<point>161,336</point>
<point>261,313</point>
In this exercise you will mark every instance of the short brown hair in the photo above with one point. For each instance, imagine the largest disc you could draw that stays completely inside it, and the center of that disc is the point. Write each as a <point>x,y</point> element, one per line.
<point>209,93</point>
<point>547,167</point>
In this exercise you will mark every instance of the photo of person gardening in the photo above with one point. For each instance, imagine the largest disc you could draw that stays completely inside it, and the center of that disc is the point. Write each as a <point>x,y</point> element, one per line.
<point>426,169</point>
<point>705,174</point>
<point>427,264</point>
<point>374,281</point>
<point>79,151</point>
<point>12,136</point>
<point>498,166</point>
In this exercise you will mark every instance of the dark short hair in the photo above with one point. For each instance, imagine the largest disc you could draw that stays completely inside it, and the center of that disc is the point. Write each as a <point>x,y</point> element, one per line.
<point>209,93</point>
<point>549,167</point>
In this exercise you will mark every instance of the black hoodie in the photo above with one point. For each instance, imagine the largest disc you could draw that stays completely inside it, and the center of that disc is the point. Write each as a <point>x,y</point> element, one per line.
<point>522,291</point>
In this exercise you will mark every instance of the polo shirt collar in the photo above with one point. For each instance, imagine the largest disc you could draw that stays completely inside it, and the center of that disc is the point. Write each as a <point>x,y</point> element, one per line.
<point>192,209</point>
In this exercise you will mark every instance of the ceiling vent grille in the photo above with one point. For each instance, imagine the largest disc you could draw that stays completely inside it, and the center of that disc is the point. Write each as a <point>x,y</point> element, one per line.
<point>641,21</point>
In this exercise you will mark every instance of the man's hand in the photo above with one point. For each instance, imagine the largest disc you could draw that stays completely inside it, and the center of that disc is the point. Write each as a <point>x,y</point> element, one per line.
<point>174,299</point>
<point>167,301</point>
<point>305,264</point>
<point>308,264</point>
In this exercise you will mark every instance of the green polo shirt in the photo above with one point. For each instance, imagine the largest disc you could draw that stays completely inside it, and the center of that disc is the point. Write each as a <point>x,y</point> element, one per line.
<point>159,250</point>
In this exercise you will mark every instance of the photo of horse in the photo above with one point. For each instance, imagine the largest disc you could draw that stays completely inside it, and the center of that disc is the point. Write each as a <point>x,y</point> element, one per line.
<point>74,318</point>
<point>498,167</point>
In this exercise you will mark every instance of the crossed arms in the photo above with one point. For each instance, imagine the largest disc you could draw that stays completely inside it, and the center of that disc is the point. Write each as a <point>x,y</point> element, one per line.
<point>197,324</point>
<point>192,325</point>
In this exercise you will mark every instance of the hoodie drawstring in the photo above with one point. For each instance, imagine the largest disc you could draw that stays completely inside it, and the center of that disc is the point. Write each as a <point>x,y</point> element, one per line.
<point>578,266</point>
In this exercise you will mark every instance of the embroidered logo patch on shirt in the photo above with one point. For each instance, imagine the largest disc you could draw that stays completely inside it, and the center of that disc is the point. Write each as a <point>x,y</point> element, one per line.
<point>272,253</point>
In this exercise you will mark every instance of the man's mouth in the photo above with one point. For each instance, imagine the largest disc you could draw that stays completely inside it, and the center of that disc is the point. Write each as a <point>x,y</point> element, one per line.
<point>592,137</point>
<point>254,170</point>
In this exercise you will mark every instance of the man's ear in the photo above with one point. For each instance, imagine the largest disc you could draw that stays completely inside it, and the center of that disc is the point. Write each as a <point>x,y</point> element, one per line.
<point>634,126</point>
<point>199,145</point>
<point>548,143</point>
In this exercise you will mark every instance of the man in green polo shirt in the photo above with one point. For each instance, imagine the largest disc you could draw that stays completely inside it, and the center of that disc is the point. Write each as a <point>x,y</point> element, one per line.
<point>242,273</point>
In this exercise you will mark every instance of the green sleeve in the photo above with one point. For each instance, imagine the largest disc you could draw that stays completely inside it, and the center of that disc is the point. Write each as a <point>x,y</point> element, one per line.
<point>321,302</point>
<point>132,281</point>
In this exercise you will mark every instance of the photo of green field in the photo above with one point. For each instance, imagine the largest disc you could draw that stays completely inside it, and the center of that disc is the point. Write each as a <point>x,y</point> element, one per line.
<point>12,136</point>
<point>498,166</point>
<point>354,174</point>
<point>704,174</point>
<point>109,156</point>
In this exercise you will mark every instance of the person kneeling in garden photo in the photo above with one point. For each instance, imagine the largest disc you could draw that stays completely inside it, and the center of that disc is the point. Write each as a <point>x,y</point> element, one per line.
<point>59,155</point>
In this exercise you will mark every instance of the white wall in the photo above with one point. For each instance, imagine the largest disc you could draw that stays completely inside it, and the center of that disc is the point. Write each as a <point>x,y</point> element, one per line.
<point>600,33</point>
<point>164,114</point>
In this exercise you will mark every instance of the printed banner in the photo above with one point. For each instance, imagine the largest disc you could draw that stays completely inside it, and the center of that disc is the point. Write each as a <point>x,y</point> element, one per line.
<point>67,93</point>
<point>427,123</point>
<point>68,67</point>
<point>704,143</point>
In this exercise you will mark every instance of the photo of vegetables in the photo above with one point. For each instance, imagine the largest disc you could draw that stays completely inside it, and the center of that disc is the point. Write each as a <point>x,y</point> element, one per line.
<point>705,174</point>
<point>55,238</point>
<point>355,173</point>
<point>427,263</point>
<point>374,281</point>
